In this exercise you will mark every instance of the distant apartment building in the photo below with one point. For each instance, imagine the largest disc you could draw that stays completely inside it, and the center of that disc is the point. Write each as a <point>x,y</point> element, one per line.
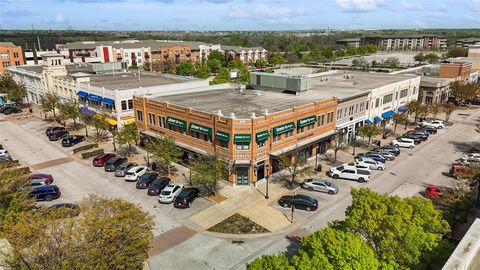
<point>244,54</point>
<point>10,56</point>
<point>350,42</point>
<point>35,57</point>
<point>467,42</point>
<point>399,42</point>
<point>137,52</point>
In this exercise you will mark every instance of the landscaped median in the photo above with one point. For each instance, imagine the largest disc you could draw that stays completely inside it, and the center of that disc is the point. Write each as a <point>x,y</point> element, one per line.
<point>237,224</point>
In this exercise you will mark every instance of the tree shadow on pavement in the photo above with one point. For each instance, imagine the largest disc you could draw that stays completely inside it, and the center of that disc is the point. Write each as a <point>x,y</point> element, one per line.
<point>293,246</point>
<point>463,146</point>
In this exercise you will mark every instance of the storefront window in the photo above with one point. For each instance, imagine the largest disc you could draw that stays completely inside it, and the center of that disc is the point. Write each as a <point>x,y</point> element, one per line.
<point>243,145</point>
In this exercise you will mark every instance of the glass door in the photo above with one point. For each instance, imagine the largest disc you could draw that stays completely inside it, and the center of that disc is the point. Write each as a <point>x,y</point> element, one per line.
<point>242,176</point>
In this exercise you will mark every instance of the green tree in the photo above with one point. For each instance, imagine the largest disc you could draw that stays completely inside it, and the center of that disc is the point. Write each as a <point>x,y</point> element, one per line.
<point>457,52</point>
<point>432,58</point>
<point>215,65</point>
<point>340,53</point>
<point>203,71</point>
<point>243,76</point>
<point>398,230</point>
<point>260,63</point>
<point>314,54</point>
<point>50,103</point>
<point>464,91</point>
<point>223,76</point>
<point>417,109</point>
<point>165,152</point>
<point>371,48</point>
<point>337,145</point>
<point>87,120</point>
<point>362,50</point>
<point>70,110</point>
<point>186,69</point>
<point>368,131</point>
<point>15,92</point>
<point>448,109</point>
<point>235,65</point>
<point>472,173</point>
<point>147,66</point>
<point>455,205</point>
<point>434,109</point>
<point>217,55</point>
<point>100,124</point>
<point>276,60</point>
<point>128,135</point>
<point>296,166</point>
<point>291,57</point>
<point>399,118</point>
<point>109,234</point>
<point>330,248</point>
<point>392,62</point>
<point>207,172</point>
<point>351,51</point>
<point>328,53</point>
<point>278,262</point>
<point>419,57</point>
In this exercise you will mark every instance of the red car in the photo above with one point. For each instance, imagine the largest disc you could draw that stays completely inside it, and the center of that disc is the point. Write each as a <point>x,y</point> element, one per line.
<point>47,177</point>
<point>457,169</point>
<point>100,160</point>
<point>435,191</point>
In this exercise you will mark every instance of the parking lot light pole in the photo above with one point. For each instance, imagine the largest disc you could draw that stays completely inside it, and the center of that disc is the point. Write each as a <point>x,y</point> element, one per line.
<point>267,167</point>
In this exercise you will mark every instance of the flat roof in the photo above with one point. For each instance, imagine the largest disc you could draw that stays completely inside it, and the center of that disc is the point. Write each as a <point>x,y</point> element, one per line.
<point>7,44</point>
<point>428,81</point>
<point>230,100</point>
<point>130,80</point>
<point>130,44</point>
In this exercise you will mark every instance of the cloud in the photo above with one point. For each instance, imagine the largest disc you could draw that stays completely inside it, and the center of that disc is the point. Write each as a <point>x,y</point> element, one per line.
<point>358,5</point>
<point>420,23</point>
<point>411,5</point>
<point>60,18</point>
<point>262,11</point>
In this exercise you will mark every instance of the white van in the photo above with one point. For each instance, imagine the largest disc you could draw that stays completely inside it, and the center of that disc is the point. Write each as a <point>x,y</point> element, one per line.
<point>404,142</point>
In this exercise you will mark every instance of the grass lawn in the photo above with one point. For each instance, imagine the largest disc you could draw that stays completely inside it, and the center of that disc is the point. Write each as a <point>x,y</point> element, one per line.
<point>237,224</point>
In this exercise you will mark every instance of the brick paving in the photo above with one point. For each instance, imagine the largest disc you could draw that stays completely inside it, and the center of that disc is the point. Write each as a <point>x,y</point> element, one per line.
<point>50,163</point>
<point>169,239</point>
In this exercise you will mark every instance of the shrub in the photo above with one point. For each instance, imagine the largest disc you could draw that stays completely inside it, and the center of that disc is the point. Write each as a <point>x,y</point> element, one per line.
<point>85,147</point>
<point>92,153</point>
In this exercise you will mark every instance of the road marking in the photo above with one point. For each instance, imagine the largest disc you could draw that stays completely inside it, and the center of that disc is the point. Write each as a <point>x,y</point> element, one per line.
<point>50,163</point>
<point>169,239</point>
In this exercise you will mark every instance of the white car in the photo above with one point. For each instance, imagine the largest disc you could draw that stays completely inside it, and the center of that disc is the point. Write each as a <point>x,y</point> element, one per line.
<point>434,123</point>
<point>349,172</point>
<point>404,142</point>
<point>357,165</point>
<point>374,165</point>
<point>134,173</point>
<point>3,152</point>
<point>169,193</point>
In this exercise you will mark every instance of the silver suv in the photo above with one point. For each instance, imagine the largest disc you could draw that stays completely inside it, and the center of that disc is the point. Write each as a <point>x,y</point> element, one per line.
<point>320,185</point>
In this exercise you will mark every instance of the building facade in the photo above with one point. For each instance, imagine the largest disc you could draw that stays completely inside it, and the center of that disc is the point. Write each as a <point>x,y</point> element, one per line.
<point>250,138</point>
<point>435,90</point>
<point>408,42</point>
<point>458,70</point>
<point>351,115</point>
<point>10,56</point>
<point>350,42</point>
<point>246,55</point>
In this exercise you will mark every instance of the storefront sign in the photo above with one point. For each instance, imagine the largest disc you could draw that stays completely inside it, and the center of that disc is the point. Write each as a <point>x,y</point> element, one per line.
<point>176,122</point>
<point>222,136</point>
<point>200,129</point>
<point>306,121</point>
<point>242,138</point>
<point>261,136</point>
<point>283,128</point>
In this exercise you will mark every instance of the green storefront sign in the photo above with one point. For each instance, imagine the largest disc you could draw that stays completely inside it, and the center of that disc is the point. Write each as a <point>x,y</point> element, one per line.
<point>222,136</point>
<point>261,136</point>
<point>283,128</point>
<point>242,138</point>
<point>306,121</point>
<point>200,129</point>
<point>176,122</point>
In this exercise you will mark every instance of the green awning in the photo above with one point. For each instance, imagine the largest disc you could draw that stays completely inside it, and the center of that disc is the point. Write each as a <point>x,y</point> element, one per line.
<point>306,121</point>
<point>177,122</point>
<point>261,136</point>
<point>283,128</point>
<point>242,138</point>
<point>200,129</point>
<point>222,136</point>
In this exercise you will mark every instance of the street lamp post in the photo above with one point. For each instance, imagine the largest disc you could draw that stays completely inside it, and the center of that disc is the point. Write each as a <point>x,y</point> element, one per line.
<point>316,157</point>
<point>267,167</point>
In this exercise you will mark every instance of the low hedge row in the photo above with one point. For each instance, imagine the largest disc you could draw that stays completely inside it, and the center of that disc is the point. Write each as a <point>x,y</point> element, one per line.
<point>85,147</point>
<point>92,153</point>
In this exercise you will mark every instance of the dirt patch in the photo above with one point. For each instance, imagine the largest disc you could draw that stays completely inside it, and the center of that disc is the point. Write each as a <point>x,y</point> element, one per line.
<point>237,224</point>
<point>217,198</point>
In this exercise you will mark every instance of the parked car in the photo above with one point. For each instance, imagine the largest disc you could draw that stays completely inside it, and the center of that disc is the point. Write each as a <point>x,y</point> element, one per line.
<point>45,193</point>
<point>320,185</point>
<point>391,148</point>
<point>386,154</point>
<point>100,160</point>
<point>299,201</point>
<point>123,168</point>
<point>57,135</point>
<point>158,185</point>
<point>70,209</point>
<point>186,197</point>
<point>4,108</point>
<point>420,131</point>
<point>50,130</point>
<point>6,157</point>
<point>71,140</point>
<point>3,152</point>
<point>38,182</point>
<point>422,135</point>
<point>145,180</point>
<point>436,191</point>
<point>350,173</point>
<point>112,164</point>
<point>404,142</point>
<point>416,139</point>
<point>457,169</point>
<point>169,193</point>
<point>374,165</point>
<point>375,156</point>
<point>12,110</point>
<point>44,176</point>
<point>429,129</point>
<point>134,173</point>
<point>434,123</point>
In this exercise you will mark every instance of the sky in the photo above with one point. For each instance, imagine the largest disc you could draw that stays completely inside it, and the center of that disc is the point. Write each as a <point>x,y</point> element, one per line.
<point>248,15</point>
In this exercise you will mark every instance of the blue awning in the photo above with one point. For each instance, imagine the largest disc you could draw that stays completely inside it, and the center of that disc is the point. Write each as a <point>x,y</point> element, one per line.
<point>88,112</point>
<point>82,94</point>
<point>403,108</point>
<point>107,101</point>
<point>388,114</point>
<point>368,122</point>
<point>377,119</point>
<point>95,97</point>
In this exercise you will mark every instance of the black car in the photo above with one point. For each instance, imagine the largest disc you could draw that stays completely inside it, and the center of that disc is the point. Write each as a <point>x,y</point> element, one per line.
<point>420,134</point>
<point>4,108</point>
<point>57,135</point>
<point>112,164</point>
<point>375,156</point>
<point>186,197</point>
<point>45,193</point>
<point>157,186</point>
<point>11,110</point>
<point>299,201</point>
<point>392,149</point>
<point>428,129</point>
<point>50,130</point>
<point>145,180</point>
<point>71,140</point>
<point>416,139</point>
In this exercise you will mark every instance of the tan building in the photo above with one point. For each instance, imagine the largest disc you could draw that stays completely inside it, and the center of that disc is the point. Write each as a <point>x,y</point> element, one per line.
<point>10,56</point>
<point>168,56</point>
<point>248,128</point>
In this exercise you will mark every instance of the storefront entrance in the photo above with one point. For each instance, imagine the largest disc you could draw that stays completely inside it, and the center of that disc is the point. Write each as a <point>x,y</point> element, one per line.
<point>243,176</point>
<point>260,170</point>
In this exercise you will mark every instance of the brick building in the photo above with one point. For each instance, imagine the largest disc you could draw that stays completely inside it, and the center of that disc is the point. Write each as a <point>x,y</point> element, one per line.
<point>246,55</point>
<point>248,128</point>
<point>458,70</point>
<point>10,56</point>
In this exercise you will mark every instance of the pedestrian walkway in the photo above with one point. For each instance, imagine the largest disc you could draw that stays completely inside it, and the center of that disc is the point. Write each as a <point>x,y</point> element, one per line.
<point>169,239</point>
